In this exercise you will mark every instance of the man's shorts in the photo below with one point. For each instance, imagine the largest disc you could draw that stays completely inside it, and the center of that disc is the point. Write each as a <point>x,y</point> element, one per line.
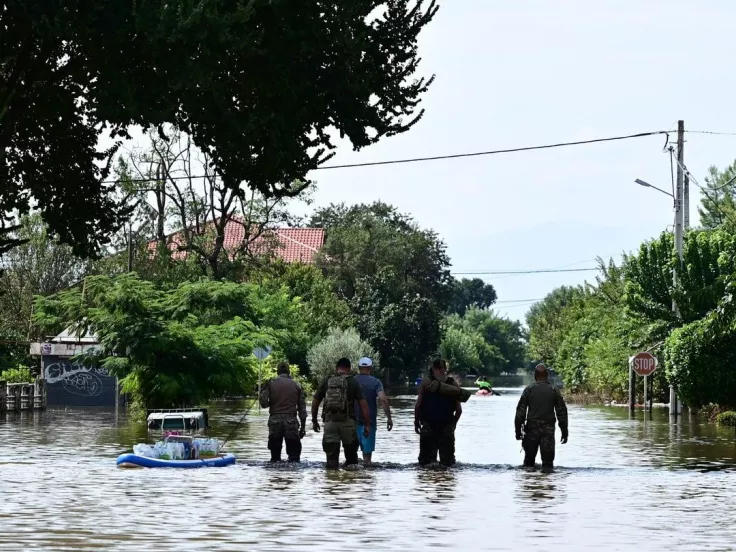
<point>367,444</point>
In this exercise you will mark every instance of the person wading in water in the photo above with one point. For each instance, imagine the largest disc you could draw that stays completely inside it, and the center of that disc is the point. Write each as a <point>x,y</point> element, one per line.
<point>285,399</point>
<point>436,414</point>
<point>340,392</point>
<point>537,408</point>
<point>373,392</point>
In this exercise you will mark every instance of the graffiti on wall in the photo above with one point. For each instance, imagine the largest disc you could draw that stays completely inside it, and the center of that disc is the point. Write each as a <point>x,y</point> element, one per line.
<point>76,378</point>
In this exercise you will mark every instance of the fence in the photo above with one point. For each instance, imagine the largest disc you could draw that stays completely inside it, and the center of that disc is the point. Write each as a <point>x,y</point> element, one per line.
<point>17,397</point>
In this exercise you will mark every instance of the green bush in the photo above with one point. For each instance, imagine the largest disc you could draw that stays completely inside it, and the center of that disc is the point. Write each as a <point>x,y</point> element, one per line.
<point>21,374</point>
<point>727,418</point>
<point>323,356</point>
<point>269,372</point>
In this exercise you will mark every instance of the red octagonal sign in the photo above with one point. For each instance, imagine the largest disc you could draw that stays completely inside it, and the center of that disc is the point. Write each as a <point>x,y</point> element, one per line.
<point>644,363</point>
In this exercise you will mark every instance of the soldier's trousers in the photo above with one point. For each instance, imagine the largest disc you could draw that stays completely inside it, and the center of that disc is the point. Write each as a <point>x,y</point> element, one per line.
<point>284,427</point>
<point>434,439</point>
<point>336,433</point>
<point>539,438</point>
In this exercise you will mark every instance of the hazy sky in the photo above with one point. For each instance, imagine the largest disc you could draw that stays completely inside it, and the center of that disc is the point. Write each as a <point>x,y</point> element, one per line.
<point>530,72</point>
<point>517,73</point>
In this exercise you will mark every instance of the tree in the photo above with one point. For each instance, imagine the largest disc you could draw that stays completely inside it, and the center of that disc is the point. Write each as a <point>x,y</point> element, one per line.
<point>461,350</point>
<point>184,211</point>
<point>550,320</point>
<point>323,356</point>
<point>709,256</point>
<point>180,346</point>
<point>320,308</point>
<point>40,266</point>
<point>395,276</point>
<point>699,356</point>
<point>717,204</point>
<point>404,328</point>
<point>498,344</point>
<point>471,293</point>
<point>277,76</point>
<point>504,335</point>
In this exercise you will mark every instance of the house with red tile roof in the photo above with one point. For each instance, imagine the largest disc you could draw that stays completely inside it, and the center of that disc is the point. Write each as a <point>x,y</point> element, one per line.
<point>292,245</point>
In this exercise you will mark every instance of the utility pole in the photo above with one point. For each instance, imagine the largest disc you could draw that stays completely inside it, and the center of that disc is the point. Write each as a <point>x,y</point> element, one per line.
<point>130,248</point>
<point>679,231</point>
<point>686,202</point>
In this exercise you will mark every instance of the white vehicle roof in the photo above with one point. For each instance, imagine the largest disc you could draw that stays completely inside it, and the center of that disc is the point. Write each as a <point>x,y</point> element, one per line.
<point>166,415</point>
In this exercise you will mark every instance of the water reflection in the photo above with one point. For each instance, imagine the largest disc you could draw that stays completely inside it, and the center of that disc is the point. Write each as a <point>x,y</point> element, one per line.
<point>437,485</point>
<point>540,489</point>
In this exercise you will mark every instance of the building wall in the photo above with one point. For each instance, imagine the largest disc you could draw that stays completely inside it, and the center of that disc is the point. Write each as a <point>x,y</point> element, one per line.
<point>72,384</point>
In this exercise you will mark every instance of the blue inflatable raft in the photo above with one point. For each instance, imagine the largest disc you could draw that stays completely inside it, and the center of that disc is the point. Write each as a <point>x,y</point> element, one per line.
<point>131,460</point>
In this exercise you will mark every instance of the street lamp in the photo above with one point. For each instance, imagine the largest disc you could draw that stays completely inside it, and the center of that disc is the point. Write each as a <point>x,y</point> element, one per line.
<point>648,185</point>
<point>679,224</point>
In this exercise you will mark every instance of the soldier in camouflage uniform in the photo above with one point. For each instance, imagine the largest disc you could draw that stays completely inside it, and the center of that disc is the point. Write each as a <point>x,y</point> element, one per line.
<point>340,393</point>
<point>537,408</point>
<point>285,399</point>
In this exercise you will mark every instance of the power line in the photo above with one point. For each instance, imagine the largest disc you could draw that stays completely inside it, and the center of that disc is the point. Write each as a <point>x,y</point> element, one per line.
<point>542,271</point>
<point>496,152</point>
<point>518,301</point>
<point>711,132</point>
<point>448,156</point>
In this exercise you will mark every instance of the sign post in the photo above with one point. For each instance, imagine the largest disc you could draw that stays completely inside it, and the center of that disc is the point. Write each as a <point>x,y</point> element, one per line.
<point>260,353</point>
<point>644,364</point>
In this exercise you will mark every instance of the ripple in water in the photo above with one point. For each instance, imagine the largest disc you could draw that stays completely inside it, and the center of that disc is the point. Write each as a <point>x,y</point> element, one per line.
<point>620,484</point>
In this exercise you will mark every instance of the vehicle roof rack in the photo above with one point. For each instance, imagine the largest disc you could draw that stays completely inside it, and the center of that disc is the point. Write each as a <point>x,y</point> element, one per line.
<point>193,409</point>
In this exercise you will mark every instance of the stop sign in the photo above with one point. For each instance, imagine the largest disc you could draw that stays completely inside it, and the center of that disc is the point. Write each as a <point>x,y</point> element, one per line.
<point>644,363</point>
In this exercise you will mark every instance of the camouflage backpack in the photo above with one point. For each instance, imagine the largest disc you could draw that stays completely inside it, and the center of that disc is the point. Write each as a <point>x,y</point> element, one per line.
<point>336,398</point>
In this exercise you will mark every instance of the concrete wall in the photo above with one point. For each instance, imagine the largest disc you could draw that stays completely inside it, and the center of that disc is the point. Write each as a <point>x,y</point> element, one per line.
<point>72,384</point>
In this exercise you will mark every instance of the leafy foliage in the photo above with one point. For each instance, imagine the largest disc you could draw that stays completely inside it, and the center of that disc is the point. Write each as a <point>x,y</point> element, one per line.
<point>468,293</point>
<point>72,71</point>
<point>20,374</point>
<point>630,309</point>
<point>270,365</point>
<point>727,418</point>
<point>718,198</point>
<point>550,320</point>
<point>323,356</point>
<point>395,277</point>
<point>178,346</point>
<point>41,265</point>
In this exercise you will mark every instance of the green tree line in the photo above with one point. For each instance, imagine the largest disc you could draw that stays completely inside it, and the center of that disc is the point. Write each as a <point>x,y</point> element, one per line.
<point>587,333</point>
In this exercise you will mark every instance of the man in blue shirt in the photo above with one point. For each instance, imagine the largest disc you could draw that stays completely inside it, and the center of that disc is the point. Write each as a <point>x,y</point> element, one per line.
<point>373,391</point>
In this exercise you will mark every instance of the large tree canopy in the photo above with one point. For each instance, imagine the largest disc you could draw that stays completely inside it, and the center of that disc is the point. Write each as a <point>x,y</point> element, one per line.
<point>395,277</point>
<point>261,86</point>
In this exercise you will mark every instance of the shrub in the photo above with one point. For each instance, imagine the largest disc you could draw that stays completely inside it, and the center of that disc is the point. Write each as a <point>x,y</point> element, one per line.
<point>323,356</point>
<point>727,418</point>
<point>269,372</point>
<point>21,374</point>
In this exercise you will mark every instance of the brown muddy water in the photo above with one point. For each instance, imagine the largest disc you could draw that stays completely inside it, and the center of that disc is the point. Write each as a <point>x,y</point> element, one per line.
<point>620,484</point>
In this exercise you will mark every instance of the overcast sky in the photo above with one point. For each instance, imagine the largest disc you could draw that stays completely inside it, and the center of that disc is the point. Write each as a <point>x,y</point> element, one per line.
<point>535,72</point>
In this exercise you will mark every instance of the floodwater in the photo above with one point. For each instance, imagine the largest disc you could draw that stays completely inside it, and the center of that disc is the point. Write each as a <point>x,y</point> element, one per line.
<point>620,484</point>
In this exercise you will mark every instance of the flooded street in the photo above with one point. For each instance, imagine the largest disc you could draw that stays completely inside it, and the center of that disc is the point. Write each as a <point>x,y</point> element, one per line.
<point>620,485</point>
